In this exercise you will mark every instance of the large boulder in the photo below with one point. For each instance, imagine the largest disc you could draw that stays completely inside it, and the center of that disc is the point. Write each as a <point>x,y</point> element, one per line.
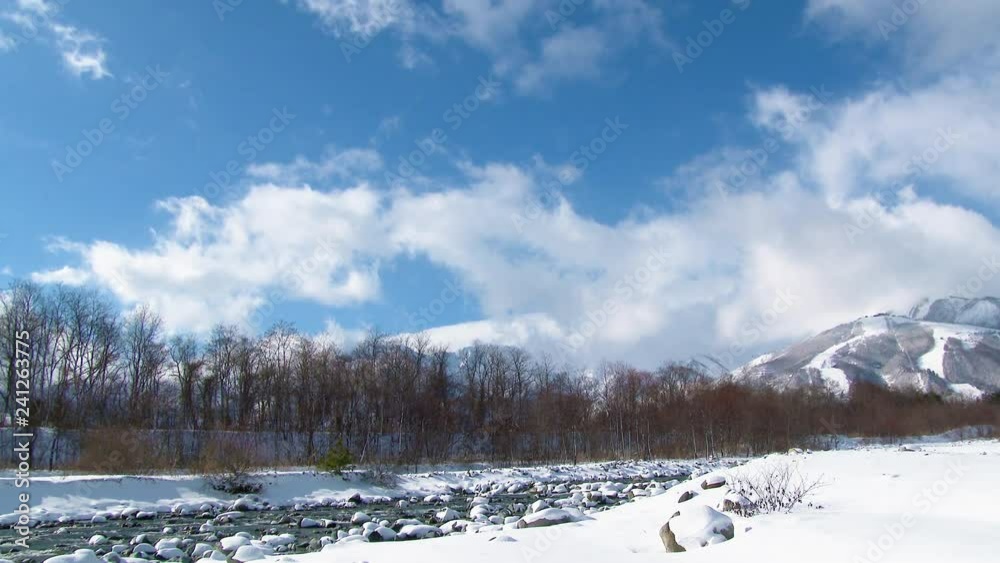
<point>694,527</point>
<point>669,539</point>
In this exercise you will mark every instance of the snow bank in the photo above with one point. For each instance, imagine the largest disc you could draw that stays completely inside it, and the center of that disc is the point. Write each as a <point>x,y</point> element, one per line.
<point>879,505</point>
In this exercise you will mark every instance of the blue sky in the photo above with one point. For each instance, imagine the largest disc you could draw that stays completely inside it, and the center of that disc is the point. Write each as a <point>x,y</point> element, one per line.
<point>251,164</point>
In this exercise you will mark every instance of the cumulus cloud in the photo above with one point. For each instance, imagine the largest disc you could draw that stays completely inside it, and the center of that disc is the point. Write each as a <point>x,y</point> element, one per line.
<point>65,275</point>
<point>847,223</point>
<point>745,269</point>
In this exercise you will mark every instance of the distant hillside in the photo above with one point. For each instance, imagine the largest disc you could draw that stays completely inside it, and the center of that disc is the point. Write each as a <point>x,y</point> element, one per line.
<point>948,346</point>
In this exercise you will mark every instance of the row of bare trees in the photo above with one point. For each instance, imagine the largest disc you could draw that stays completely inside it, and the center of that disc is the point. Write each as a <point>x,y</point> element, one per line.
<point>406,401</point>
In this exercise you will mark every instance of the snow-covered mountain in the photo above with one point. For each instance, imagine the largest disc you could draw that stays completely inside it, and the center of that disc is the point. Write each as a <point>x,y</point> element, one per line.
<point>948,346</point>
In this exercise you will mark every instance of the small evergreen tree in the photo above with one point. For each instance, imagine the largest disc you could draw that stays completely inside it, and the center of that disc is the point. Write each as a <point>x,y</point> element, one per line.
<point>336,460</point>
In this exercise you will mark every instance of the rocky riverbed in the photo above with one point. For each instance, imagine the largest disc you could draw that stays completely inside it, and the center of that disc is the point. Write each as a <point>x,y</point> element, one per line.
<point>250,528</point>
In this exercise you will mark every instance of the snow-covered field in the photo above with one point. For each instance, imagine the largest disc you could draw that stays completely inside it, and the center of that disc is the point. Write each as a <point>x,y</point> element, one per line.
<point>927,501</point>
<point>939,502</point>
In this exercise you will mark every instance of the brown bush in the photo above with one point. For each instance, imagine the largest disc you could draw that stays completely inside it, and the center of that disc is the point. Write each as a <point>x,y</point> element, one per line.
<point>227,461</point>
<point>123,451</point>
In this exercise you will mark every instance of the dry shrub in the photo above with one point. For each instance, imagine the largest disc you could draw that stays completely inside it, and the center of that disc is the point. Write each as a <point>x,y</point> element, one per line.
<point>227,461</point>
<point>381,474</point>
<point>123,451</point>
<point>772,487</point>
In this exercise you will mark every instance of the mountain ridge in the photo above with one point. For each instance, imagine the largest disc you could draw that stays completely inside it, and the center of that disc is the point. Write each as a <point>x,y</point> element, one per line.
<point>949,346</point>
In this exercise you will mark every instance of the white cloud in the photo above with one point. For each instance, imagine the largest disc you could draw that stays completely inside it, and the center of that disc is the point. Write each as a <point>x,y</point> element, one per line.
<point>361,17</point>
<point>565,173</point>
<point>544,276</point>
<point>518,36</point>
<point>490,24</point>
<point>82,51</point>
<point>571,53</point>
<point>411,57</point>
<point>944,131</point>
<point>7,42</point>
<point>334,164</point>
<point>388,127</point>
<point>65,275</point>
<point>344,338</point>
<point>798,249</point>
<point>930,36</point>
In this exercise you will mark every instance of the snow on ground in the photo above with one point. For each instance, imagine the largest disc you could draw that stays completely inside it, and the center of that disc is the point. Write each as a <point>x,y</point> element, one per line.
<point>927,502</point>
<point>81,497</point>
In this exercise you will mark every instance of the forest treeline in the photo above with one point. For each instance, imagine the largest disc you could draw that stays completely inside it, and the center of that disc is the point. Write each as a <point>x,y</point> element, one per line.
<point>404,401</point>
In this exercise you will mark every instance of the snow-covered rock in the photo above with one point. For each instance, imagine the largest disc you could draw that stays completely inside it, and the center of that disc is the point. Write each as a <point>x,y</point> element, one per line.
<point>169,553</point>
<point>713,482</point>
<point>360,518</point>
<point>234,542</point>
<point>380,533</point>
<point>446,515</point>
<point>694,527</point>
<point>419,532</point>
<point>249,553</point>
<point>548,517</point>
<point>455,526</point>
<point>167,543</point>
<point>278,540</point>
<point>78,556</point>
<point>143,549</point>
<point>200,549</point>
<point>538,506</point>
